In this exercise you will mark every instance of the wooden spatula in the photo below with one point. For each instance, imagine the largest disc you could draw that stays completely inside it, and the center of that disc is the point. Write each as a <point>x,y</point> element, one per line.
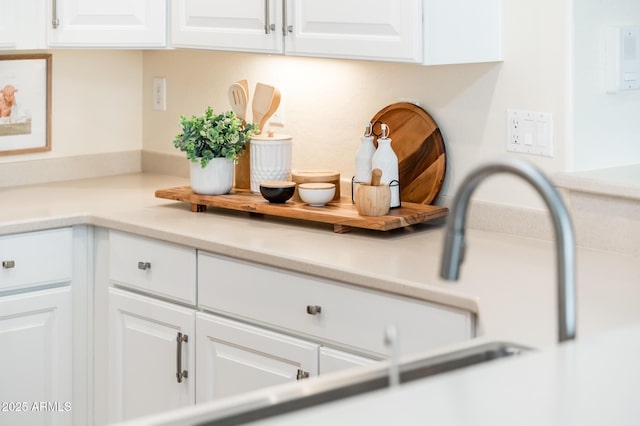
<point>266,100</point>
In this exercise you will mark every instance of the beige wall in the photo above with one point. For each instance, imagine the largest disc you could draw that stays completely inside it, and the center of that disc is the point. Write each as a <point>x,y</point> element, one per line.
<point>100,96</point>
<point>327,102</point>
<point>96,104</point>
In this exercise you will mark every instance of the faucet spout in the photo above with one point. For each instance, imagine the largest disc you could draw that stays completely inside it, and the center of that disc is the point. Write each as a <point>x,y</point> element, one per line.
<point>454,243</point>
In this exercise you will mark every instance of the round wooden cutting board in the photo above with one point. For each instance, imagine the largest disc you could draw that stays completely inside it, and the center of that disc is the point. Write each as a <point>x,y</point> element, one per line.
<point>418,143</point>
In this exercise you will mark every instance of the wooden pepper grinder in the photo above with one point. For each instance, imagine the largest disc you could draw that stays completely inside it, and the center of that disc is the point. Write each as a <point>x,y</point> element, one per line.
<point>374,199</point>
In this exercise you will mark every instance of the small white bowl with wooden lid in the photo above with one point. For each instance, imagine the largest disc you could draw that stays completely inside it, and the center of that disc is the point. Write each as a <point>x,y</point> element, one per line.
<point>316,176</point>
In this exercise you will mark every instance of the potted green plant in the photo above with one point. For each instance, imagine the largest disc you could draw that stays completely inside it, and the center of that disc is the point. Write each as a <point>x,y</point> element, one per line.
<point>213,143</point>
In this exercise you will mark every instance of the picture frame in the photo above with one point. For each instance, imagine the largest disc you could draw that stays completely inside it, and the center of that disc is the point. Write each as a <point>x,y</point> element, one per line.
<point>25,103</point>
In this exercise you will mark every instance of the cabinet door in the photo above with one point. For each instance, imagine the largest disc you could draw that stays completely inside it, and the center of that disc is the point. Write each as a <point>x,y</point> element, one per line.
<point>248,25</point>
<point>36,360</point>
<point>362,29</point>
<point>332,360</point>
<point>233,358</point>
<point>22,24</point>
<point>145,354</point>
<point>8,32</point>
<point>114,23</point>
<point>462,31</point>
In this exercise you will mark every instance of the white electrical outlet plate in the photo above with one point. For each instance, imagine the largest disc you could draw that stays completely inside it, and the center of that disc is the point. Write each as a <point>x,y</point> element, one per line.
<point>530,132</point>
<point>159,93</point>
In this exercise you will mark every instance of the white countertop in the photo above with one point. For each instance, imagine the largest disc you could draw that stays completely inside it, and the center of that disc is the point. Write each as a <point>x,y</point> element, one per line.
<point>508,281</point>
<point>622,181</point>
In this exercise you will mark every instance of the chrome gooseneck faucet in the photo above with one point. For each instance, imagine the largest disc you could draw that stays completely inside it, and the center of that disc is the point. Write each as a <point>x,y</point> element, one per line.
<point>454,244</point>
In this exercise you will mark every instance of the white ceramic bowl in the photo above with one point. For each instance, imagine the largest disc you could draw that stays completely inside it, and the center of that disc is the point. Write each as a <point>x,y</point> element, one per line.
<point>316,194</point>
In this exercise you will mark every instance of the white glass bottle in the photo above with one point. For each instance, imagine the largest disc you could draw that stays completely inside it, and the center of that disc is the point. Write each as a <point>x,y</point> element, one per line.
<point>386,160</point>
<point>363,158</point>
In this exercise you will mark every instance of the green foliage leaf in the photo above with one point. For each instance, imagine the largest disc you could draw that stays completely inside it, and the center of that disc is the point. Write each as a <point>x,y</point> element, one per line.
<point>213,135</point>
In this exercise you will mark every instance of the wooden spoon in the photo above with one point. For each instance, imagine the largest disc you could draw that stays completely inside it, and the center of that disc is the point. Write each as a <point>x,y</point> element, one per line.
<point>238,97</point>
<point>245,86</point>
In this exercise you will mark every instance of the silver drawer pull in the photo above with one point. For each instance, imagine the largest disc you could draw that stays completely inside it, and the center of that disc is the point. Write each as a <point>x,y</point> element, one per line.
<point>180,373</point>
<point>8,264</point>
<point>314,309</point>
<point>144,266</point>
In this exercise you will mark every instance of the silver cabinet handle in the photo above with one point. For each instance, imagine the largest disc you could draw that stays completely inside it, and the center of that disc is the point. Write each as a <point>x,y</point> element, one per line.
<point>180,373</point>
<point>55,22</point>
<point>8,264</point>
<point>144,266</point>
<point>301,374</point>
<point>268,26</point>
<point>284,19</point>
<point>314,309</point>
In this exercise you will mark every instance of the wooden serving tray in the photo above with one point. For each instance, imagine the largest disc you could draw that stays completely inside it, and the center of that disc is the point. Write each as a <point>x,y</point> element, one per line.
<point>341,214</point>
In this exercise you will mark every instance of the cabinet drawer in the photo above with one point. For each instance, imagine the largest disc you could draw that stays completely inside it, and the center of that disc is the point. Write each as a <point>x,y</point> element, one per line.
<point>350,316</point>
<point>153,266</point>
<point>35,258</point>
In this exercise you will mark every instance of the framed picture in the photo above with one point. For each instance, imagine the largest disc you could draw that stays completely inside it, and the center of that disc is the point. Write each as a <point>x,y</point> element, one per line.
<point>25,103</point>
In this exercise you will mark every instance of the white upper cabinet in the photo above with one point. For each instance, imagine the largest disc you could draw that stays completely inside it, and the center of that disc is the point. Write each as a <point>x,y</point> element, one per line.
<point>462,31</point>
<point>8,32</point>
<point>249,25</point>
<point>355,29</point>
<point>429,32</point>
<point>22,24</point>
<point>387,30</point>
<point>113,23</point>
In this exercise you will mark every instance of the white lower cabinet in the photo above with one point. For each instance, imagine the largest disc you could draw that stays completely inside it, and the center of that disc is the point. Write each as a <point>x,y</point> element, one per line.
<point>233,327</point>
<point>150,342</point>
<point>233,358</point>
<point>36,358</point>
<point>44,319</point>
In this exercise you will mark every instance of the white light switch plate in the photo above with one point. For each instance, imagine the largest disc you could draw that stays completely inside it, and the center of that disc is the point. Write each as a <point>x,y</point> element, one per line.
<point>159,93</point>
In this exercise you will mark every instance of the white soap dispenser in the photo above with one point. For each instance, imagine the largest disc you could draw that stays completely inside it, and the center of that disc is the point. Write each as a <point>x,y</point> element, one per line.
<point>386,160</point>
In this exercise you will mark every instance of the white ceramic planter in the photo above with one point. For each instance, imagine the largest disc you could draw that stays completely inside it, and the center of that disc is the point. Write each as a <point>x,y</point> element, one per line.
<point>215,179</point>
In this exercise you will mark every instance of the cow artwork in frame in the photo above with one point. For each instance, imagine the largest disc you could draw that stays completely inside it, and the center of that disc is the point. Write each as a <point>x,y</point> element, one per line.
<point>25,103</point>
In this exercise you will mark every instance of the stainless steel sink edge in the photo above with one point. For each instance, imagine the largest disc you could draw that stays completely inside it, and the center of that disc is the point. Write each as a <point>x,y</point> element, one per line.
<point>319,391</point>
